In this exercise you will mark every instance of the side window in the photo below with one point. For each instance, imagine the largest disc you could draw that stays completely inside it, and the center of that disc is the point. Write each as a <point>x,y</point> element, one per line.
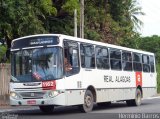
<point>115,59</point>
<point>152,64</point>
<point>137,62</point>
<point>71,59</point>
<point>87,56</point>
<point>126,61</point>
<point>102,57</point>
<point>146,65</point>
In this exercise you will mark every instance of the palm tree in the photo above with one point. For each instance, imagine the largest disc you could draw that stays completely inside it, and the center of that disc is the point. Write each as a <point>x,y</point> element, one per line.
<point>133,12</point>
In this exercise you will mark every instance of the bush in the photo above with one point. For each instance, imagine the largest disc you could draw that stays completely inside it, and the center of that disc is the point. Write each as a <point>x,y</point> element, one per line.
<point>158,78</point>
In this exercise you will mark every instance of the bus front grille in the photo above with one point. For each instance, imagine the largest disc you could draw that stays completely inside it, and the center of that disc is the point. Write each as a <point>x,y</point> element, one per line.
<point>31,95</point>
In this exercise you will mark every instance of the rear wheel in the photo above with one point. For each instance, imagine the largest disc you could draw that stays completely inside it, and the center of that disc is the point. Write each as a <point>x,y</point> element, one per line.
<point>137,100</point>
<point>47,108</point>
<point>88,102</point>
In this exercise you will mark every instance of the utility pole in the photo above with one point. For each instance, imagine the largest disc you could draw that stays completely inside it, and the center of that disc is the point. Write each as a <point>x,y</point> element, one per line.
<point>81,18</point>
<point>75,23</point>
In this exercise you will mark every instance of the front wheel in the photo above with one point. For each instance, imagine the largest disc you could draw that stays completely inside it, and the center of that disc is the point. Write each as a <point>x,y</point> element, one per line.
<point>47,108</point>
<point>88,102</point>
<point>137,100</point>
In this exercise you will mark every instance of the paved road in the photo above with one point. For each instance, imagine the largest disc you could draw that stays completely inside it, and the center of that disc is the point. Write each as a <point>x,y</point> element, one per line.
<point>150,109</point>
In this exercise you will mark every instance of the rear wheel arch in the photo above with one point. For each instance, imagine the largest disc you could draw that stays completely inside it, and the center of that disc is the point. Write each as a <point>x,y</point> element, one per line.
<point>140,88</point>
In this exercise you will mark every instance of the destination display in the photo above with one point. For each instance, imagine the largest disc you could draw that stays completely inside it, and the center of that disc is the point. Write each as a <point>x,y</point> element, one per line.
<point>35,41</point>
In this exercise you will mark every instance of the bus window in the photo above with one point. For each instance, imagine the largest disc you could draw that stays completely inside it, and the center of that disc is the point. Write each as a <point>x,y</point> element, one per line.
<point>115,59</point>
<point>137,62</point>
<point>17,61</point>
<point>71,59</point>
<point>47,63</point>
<point>102,58</point>
<point>152,64</point>
<point>126,61</point>
<point>87,56</point>
<point>145,61</point>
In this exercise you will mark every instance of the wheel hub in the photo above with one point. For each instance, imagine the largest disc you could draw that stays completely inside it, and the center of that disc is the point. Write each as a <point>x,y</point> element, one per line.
<point>138,98</point>
<point>88,101</point>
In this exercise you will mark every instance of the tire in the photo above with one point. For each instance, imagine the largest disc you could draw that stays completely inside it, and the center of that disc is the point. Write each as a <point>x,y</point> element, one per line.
<point>88,102</point>
<point>129,102</point>
<point>137,100</point>
<point>47,108</point>
<point>104,104</point>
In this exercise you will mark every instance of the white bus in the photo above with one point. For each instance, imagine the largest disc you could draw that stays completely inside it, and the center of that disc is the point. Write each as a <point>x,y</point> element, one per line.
<point>98,73</point>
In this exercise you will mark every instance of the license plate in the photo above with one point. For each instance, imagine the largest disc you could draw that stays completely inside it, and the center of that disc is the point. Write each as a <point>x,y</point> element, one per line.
<point>31,102</point>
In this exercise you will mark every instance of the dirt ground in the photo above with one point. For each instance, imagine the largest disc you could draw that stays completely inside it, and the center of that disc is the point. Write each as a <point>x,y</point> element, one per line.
<point>4,101</point>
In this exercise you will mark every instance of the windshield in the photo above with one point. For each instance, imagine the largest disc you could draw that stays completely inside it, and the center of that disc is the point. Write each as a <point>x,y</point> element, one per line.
<point>37,64</point>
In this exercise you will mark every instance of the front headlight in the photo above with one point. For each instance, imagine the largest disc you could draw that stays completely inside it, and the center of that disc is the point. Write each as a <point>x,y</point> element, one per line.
<point>14,95</point>
<point>52,94</point>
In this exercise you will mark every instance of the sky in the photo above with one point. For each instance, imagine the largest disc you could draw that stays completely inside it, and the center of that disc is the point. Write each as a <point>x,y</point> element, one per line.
<point>151,19</point>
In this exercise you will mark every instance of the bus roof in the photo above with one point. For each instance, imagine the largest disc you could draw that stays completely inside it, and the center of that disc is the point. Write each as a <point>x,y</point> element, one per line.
<point>87,41</point>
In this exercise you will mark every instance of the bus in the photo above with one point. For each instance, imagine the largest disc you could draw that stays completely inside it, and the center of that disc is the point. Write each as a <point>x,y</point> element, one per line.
<point>97,73</point>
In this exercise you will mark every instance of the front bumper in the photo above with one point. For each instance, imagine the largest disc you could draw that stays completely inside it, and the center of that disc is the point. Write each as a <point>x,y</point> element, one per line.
<point>57,100</point>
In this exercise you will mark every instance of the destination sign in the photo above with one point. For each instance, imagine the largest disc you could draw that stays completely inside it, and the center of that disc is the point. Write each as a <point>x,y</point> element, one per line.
<point>41,41</point>
<point>35,41</point>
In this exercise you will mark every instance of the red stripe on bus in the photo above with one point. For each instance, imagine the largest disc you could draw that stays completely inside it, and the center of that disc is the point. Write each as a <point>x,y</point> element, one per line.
<point>138,79</point>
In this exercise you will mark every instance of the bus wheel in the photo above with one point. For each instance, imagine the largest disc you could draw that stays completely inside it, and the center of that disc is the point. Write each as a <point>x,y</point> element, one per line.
<point>104,104</point>
<point>47,108</point>
<point>137,100</point>
<point>88,102</point>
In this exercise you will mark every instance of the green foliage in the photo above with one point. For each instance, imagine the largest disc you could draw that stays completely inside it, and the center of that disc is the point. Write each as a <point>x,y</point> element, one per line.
<point>132,42</point>
<point>151,44</point>
<point>93,35</point>
<point>70,5</point>
<point>24,17</point>
<point>47,7</point>
<point>3,50</point>
<point>158,78</point>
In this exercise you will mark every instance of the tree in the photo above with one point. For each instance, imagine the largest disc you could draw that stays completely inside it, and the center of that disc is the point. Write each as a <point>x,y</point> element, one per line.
<point>133,12</point>
<point>24,17</point>
<point>99,23</point>
<point>109,21</point>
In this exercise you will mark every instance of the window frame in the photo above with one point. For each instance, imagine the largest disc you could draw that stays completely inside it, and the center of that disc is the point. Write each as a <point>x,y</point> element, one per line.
<point>64,47</point>
<point>102,57</point>
<point>127,61</point>
<point>114,59</point>
<point>137,62</point>
<point>93,56</point>
<point>144,64</point>
<point>152,63</point>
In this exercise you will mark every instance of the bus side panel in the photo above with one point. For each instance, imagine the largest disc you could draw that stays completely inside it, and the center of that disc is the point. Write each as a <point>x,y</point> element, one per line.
<point>148,92</point>
<point>74,89</point>
<point>106,95</point>
<point>75,97</point>
<point>149,84</point>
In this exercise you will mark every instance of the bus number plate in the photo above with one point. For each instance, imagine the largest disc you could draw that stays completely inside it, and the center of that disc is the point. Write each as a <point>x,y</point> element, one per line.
<point>31,102</point>
<point>49,84</point>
